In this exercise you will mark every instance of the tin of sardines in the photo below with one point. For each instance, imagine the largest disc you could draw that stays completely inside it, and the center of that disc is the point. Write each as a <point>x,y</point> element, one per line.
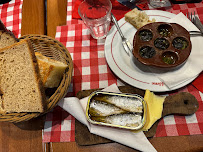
<point>116,110</point>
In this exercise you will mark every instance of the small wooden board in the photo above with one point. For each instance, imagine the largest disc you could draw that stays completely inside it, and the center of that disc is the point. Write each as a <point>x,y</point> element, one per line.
<point>182,103</point>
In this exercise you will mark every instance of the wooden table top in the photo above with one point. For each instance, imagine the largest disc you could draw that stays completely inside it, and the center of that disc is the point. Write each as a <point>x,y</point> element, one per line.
<point>27,136</point>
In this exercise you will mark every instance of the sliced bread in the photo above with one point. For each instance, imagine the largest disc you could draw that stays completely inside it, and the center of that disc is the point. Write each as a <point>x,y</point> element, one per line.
<point>137,18</point>
<point>20,83</point>
<point>51,71</point>
<point>7,38</point>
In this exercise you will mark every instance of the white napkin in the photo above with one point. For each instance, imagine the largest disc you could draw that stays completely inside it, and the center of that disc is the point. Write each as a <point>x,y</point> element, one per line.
<point>77,109</point>
<point>194,64</point>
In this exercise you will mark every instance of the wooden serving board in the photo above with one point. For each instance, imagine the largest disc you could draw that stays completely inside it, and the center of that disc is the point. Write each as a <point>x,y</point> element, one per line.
<point>182,104</point>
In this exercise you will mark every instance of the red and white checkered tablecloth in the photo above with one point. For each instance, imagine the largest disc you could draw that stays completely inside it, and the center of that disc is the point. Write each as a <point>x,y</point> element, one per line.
<point>11,16</point>
<point>91,71</point>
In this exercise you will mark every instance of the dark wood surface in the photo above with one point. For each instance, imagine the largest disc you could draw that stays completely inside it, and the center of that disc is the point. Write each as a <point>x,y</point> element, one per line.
<point>56,15</point>
<point>33,17</point>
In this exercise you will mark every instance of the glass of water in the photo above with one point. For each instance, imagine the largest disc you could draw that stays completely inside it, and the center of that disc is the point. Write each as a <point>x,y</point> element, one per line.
<point>96,15</point>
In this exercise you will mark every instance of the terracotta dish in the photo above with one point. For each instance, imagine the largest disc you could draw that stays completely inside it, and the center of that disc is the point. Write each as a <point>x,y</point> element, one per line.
<point>163,45</point>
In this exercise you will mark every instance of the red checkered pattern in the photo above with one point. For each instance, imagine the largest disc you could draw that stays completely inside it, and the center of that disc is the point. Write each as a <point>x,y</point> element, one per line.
<point>179,125</point>
<point>91,71</point>
<point>61,131</point>
<point>11,16</point>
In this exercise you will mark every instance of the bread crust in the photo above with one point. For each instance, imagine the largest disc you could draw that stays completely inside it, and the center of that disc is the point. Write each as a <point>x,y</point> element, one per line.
<point>137,18</point>
<point>4,29</point>
<point>10,34</point>
<point>2,26</point>
<point>51,71</point>
<point>37,75</point>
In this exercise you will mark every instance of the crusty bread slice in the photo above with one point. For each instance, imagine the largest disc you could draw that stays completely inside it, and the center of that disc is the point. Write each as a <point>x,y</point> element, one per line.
<point>51,71</point>
<point>7,38</point>
<point>20,83</point>
<point>137,18</point>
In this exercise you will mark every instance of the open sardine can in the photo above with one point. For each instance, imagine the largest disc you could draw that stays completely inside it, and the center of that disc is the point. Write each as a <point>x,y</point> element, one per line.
<point>119,110</point>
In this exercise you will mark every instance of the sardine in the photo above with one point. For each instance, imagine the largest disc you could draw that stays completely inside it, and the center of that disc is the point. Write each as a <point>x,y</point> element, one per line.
<point>125,103</point>
<point>127,119</point>
<point>99,108</point>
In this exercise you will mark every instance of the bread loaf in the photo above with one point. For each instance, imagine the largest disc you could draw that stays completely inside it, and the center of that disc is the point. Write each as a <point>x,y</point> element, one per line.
<point>137,18</point>
<point>51,71</point>
<point>20,83</point>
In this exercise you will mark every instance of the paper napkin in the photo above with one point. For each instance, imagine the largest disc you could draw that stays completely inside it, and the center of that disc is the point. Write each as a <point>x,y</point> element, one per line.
<point>126,137</point>
<point>194,65</point>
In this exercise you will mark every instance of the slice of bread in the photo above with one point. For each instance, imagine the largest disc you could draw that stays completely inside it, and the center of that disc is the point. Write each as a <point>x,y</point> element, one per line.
<point>20,83</point>
<point>7,38</point>
<point>51,71</point>
<point>137,18</point>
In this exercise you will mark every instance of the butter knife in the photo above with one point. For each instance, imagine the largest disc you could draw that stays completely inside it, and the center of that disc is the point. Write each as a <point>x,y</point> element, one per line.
<point>198,24</point>
<point>129,3</point>
<point>125,42</point>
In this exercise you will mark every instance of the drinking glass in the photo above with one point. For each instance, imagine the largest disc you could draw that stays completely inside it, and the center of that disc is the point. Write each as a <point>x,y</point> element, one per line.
<point>96,15</point>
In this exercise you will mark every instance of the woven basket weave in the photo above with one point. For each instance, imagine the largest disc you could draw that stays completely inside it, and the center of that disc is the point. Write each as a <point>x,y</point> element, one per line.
<point>51,48</point>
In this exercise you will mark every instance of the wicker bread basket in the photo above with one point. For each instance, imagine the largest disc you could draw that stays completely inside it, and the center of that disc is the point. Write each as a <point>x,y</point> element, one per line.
<point>54,49</point>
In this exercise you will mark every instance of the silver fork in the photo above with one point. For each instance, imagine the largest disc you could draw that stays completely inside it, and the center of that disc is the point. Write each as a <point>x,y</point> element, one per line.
<point>125,42</point>
<point>191,17</point>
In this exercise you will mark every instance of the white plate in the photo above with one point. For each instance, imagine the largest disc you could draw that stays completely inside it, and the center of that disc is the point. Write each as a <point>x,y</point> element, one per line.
<point>123,66</point>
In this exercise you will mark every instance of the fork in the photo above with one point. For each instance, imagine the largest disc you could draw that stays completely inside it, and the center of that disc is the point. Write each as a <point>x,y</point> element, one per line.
<point>191,17</point>
<point>125,42</point>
